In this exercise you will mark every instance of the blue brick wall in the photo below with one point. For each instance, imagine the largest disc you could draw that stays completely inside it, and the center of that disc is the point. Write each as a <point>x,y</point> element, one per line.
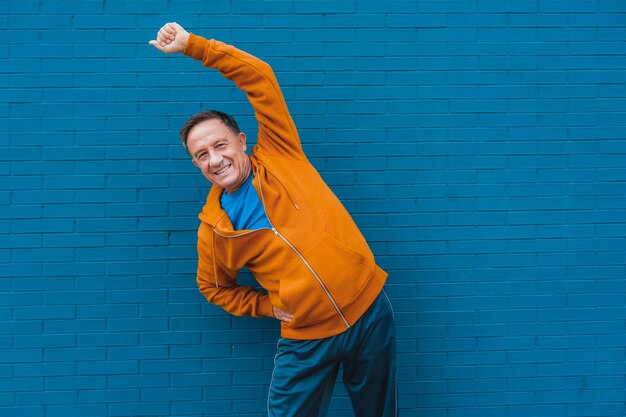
<point>480,146</point>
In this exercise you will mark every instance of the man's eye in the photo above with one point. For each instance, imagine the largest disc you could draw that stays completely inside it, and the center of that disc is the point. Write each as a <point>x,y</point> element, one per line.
<point>202,156</point>
<point>220,146</point>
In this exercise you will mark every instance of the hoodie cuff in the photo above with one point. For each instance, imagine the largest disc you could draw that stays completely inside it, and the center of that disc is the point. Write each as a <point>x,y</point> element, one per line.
<point>196,47</point>
<point>265,307</point>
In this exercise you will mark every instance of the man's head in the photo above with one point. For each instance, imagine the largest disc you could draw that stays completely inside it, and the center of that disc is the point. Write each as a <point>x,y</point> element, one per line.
<point>218,148</point>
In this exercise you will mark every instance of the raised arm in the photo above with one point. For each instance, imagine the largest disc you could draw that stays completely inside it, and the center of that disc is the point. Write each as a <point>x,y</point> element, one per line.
<point>217,284</point>
<point>277,132</point>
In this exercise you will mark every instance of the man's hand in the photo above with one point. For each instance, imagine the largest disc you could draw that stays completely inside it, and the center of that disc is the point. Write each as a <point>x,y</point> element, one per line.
<point>171,38</point>
<point>282,314</point>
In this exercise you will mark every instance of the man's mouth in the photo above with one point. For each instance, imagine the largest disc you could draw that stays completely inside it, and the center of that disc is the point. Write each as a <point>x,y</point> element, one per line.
<point>221,170</point>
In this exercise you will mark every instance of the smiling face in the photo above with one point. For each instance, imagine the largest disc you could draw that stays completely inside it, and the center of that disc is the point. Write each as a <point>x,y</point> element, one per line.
<point>219,153</point>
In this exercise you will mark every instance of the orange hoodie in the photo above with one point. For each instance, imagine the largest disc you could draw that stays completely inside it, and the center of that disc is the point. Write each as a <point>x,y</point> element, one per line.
<point>314,261</point>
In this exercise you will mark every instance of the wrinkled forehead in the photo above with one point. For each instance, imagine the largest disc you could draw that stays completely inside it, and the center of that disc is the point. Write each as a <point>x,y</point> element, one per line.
<point>208,133</point>
<point>212,127</point>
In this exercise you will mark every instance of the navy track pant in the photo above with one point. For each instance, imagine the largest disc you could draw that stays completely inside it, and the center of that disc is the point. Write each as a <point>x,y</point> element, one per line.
<point>305,370</point>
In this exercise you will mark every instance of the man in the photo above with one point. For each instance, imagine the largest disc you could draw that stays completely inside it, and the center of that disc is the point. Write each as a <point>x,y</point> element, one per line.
<point>272,213</point>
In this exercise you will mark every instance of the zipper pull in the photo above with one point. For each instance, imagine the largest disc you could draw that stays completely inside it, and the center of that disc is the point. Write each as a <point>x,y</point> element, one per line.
<point>275,231</point>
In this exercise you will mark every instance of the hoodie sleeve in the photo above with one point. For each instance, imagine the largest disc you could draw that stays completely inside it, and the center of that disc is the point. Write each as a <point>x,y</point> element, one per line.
<point>219,286</point>
<point>277,131</point>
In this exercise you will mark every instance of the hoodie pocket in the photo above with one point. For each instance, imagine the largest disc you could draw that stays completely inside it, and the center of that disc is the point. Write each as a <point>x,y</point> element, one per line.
<point>343,270</point>
<point>301,295</point>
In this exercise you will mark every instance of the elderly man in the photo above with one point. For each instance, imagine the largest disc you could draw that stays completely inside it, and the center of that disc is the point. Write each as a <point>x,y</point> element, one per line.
<point>272,213</point>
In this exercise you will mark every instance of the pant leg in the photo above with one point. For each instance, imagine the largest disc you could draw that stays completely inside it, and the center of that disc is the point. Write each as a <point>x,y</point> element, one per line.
<point>303,379</point>
<point>369,373</point>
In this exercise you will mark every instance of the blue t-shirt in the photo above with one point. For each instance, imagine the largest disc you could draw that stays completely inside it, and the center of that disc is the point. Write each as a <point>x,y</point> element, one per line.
<point>244,208</point>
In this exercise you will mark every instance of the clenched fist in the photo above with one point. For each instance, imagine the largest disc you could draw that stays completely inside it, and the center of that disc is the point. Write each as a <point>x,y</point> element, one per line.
<point>171,38</point>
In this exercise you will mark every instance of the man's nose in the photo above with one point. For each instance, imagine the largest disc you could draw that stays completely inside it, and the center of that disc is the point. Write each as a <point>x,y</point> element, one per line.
<point>215,159</point>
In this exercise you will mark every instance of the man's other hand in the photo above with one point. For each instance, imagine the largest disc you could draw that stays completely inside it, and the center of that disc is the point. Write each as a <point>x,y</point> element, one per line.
<point>171,38</point>
<point>282,314</point>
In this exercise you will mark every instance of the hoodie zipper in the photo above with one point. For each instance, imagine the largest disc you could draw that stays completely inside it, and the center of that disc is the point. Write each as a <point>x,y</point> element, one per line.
<point>297,252</point>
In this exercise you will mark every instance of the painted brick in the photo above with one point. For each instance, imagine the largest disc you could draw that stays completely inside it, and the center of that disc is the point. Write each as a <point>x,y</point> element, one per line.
<point>146,296</point>
<point>21,356</point>
<point>223,407</point>
<point>106,311</point>
<point>45,398</point>
<point>49,225</point>
<point>122,353</point>
<point>134,209</point>
<point>74,240</point>
<point>74,354</point>
<point>22,384</point>
<point>171,394</point>
<point>76,410</point>
<point>46,369</point>
<point>24,411</point>
<point>141,381</point>
<point>121,325</point>
<point>171,365</point>
<point>20,241</point>
<point>144,409</point>
<point>108,368</point>
<point>201,351</point>
<point>80,382</point>
<point>110,396</point>
<point>170,338</point>
<point>47,341</point>
<point>73,326</point>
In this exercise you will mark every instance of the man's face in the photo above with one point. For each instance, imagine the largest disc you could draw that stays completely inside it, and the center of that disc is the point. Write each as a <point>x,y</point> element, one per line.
<point>219,153</point>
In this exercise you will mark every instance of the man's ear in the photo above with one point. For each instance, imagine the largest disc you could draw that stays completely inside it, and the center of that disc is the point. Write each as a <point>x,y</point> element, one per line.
<point>241,137</point>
